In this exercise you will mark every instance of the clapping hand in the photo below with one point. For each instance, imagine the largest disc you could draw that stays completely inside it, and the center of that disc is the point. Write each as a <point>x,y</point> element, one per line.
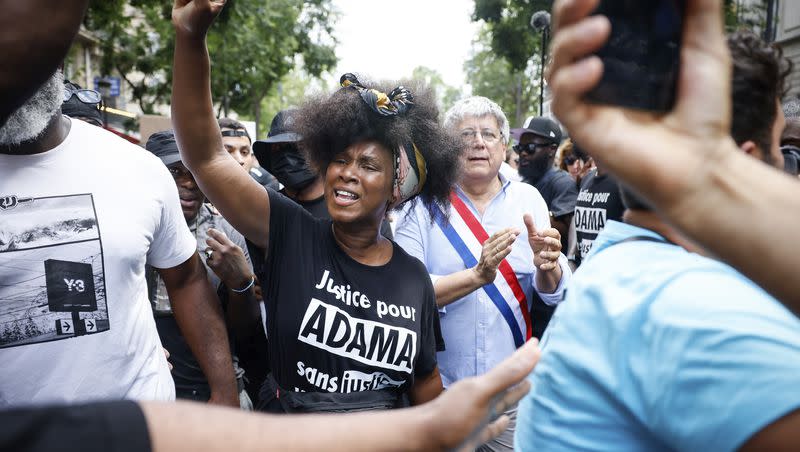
<point>494,250</point>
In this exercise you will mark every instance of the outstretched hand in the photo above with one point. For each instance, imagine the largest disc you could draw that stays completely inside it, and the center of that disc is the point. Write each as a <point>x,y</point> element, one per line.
<point>632,144</point>
<point>545,244</point>
<point>470,412</point>
<point>194,17</point>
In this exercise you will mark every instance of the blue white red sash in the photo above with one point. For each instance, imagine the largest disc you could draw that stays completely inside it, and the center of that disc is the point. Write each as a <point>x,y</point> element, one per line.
<point>466,234</point>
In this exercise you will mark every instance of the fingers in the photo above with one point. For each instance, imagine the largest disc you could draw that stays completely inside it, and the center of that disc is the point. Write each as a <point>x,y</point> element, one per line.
<point>214,244</point>
<point>704,57</point>
<point>512,396</point>
<point>220,237</point>
<point>552,241</point>
<point>498,246</point>
<point>566,12</point>
<point>501,235</point>
<point>492,431</point>
<point>579,40</point>
<point>548,266</point>
<point>530,224</point>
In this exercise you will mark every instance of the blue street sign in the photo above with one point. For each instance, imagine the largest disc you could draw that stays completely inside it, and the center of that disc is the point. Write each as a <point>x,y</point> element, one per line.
<point>113,81</point>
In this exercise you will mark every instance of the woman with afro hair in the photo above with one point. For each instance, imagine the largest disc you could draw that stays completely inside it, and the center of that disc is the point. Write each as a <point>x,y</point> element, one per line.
<point>351,318</point>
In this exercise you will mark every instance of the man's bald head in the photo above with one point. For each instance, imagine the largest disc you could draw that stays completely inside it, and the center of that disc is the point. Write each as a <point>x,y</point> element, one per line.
<point>31,48</point>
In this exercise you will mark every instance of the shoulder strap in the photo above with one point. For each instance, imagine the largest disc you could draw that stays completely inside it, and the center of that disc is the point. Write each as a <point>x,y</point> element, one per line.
<point>643,238</point>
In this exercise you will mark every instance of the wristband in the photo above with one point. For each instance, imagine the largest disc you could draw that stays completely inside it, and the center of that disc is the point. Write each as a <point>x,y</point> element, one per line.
<point>252,283</point>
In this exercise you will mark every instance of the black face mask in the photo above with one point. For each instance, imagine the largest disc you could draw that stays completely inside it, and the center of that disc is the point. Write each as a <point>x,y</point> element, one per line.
<point>291,169</point>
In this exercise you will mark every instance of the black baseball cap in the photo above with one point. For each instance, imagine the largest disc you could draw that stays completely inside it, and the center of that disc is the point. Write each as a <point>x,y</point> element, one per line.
<point>162,145</point>
<point>281,130</point>
<point>540,126</point>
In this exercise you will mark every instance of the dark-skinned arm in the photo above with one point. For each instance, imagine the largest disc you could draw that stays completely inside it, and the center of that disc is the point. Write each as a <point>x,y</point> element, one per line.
<point>561,224</point>
<point>426,388</point>
<point>230,264</point>
<point>782,435</point>
<point>240,199</point>
<point>199,316</point>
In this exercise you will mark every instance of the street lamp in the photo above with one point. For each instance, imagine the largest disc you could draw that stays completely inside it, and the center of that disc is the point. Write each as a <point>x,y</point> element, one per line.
<point>540,21</point>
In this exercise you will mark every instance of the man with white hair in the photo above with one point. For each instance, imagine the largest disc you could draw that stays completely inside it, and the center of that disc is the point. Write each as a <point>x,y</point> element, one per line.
<point>75,234</point>
<point>485,275</point>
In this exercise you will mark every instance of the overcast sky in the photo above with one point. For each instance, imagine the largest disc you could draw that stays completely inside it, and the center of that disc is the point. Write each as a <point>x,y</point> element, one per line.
<point>388,39</point>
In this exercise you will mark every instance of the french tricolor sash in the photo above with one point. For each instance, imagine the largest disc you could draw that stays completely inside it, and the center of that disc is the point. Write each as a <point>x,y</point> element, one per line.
<point>466,234</point>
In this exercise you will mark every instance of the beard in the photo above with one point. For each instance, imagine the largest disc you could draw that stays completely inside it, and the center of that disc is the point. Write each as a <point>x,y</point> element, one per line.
<point>534,170</point>
<point>30,120</point>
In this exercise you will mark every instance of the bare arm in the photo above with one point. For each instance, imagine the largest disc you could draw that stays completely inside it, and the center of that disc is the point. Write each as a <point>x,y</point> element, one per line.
<point>458,419</point>
<point>240,199</point>
<point>199,316</point>
<point>707,188</point>
<point>426,389</point>
<point>561,224</point>
<point>782,435</point>
<point>229,263</point>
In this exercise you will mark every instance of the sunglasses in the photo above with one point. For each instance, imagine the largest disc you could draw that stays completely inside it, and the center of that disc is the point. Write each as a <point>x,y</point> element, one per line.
<point>530,148</point>
<point>570,160</point>
<point>87,96</point>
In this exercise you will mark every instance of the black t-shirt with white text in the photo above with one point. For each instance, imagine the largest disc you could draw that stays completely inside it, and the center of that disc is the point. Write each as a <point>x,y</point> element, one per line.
<point>598,202</point>
<point>336,325</point>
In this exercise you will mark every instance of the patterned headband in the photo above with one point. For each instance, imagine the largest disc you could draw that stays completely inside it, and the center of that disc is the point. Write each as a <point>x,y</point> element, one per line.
<point>409,165</point>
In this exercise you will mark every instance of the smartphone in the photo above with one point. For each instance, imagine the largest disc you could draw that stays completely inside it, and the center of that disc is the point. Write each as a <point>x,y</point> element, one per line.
<point>641,59</point>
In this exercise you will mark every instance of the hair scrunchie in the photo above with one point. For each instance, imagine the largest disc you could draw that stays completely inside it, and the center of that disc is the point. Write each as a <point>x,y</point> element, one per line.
<point>397,102</point>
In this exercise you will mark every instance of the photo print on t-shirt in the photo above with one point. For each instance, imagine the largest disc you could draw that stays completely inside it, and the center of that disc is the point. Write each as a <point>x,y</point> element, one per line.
<point>52,280</point>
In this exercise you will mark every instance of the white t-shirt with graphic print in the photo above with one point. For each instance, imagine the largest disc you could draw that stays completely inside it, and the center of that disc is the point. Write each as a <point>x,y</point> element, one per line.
<point>77,225</point>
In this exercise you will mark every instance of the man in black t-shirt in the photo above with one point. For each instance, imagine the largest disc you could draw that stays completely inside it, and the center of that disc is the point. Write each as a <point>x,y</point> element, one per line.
<point>538,142</point>
<point>598,202</point>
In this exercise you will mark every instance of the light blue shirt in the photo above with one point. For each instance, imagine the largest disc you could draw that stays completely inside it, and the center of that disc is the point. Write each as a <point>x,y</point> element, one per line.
<point>655,348</point>
<point>475,333</point>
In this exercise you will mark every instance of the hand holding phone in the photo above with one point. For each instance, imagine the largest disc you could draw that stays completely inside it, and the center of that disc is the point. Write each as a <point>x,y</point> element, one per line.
<point>642,55</point>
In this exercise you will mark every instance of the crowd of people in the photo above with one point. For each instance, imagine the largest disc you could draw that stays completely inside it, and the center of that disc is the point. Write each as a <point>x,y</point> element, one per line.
<point>390,276</point>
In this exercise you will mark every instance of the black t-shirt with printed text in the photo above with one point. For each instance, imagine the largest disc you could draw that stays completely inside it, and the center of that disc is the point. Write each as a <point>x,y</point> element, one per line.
<point>598,202</point>
<point>336,325</point>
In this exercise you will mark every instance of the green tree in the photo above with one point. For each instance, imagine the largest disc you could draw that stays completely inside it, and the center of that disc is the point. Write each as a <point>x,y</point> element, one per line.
<point>492,76</point>
<point>745,14</point>
<point>446,95</point>
<point>292,90</point>
<point>252,45</point>
<point>508,27</point>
